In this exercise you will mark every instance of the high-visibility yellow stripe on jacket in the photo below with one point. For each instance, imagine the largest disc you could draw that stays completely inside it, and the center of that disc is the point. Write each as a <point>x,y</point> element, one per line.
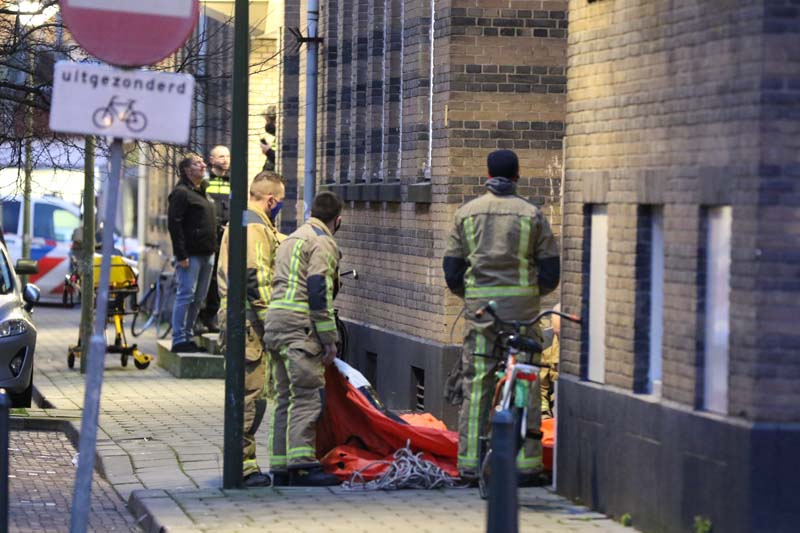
<point>500,240</point>
<point>262,245</point>
<point>306,265</point>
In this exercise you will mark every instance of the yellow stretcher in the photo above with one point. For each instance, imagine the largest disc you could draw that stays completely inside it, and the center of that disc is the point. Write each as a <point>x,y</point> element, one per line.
<point>123,289</point>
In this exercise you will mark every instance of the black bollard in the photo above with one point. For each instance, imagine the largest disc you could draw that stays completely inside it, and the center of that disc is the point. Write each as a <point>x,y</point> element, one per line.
<point>5,406</point>
<point>503,481</point>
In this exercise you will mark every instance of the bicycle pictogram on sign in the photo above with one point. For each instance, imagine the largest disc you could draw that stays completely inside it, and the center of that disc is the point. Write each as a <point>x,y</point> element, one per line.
<point>104,117</point>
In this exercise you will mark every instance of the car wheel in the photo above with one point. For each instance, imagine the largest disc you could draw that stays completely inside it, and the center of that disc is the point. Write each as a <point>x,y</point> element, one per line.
<point>23,399</point>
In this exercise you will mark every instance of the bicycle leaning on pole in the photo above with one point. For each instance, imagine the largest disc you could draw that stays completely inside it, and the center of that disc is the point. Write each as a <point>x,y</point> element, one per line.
<point>511,396</point>
<point>156,304</point>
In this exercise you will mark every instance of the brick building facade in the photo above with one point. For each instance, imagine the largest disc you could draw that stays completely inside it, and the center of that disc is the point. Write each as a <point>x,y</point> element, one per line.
<point>413,96</point>
<point>679,395</point>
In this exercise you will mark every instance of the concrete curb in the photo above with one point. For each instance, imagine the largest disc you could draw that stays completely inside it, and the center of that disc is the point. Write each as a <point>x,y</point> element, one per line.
<point>151,508</point>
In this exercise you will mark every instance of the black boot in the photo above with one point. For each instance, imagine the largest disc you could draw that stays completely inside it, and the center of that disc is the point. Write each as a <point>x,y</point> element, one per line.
<point>257,479</point>
<point>280,478</point>
<point>313,476</point>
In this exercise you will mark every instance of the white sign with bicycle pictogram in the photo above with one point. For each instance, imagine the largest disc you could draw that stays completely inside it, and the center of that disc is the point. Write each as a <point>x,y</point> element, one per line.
<point>94,99</point>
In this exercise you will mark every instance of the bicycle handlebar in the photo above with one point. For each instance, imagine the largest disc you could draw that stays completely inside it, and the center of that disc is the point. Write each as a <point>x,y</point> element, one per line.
<point>491,308</point>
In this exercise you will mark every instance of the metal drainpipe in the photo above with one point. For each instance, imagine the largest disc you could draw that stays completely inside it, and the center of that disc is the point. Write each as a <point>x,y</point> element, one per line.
<point>201,73</point>
<point>310,181</point>
<point>428,170</point>
<point>402,87</point>
<point>386,22</point>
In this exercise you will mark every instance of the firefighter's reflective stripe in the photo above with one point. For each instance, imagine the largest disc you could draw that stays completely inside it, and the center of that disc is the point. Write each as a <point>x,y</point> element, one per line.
<point>470,460</point>
<point>469,232</point>
<point>328,325</point>
<point>263,274</point>
<point>329,286</point>
<point>294,271</point>
<point>522,252</point>
<point>301,451</point>
<point>250,466</point>
<point>287,305</point>
<point>500,291</point>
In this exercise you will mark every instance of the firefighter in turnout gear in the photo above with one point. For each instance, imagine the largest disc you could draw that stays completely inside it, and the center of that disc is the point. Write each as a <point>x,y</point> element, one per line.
<point>301,338</point>
<point>549,374</point>
<point>266,196</point>
<point>501,248</point>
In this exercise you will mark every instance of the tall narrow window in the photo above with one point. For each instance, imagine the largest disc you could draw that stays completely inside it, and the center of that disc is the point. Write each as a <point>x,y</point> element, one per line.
<point>717,309</point>
<point>598,266</point>
<point>656,300</point>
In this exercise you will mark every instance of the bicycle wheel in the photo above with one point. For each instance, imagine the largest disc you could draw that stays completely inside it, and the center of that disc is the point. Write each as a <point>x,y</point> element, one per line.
<point>136,121</point>
<point>164,315</point>
<point>341,346</point>
<point>103,118</point>
<point>163,328</point>
<point>484,474</point>
<point>144,316</point>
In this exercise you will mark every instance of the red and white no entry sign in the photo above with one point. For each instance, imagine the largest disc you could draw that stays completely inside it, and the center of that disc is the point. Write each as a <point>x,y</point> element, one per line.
<point>130,33</point>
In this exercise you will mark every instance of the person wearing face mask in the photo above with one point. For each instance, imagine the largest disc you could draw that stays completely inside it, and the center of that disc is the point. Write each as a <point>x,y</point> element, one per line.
<point>301,338</point>
<point>266,197</point>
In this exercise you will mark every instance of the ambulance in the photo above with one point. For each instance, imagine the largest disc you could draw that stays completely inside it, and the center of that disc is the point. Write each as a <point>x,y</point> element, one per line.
<point>52,222</point>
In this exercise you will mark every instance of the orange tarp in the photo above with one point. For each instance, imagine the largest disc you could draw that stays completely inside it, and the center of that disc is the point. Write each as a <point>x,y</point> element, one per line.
<point>354,432</point>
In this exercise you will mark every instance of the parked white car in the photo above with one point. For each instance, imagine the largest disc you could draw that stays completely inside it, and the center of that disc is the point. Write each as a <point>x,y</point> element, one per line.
<point>52,222</point>
<point>17,331</point>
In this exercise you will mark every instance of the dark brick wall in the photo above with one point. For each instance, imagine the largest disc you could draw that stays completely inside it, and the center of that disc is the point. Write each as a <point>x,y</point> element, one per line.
<point>772,383</point>
<point>664,465</point>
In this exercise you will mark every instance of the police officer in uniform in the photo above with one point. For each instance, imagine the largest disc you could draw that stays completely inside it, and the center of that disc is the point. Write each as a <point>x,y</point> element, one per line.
<point>219,189</point>
<point>301,337</point>
<point>266,197</point>
<point>501,248</point>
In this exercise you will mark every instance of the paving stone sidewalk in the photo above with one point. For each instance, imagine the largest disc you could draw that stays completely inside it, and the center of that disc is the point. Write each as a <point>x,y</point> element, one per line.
<point>160,447</point>
<point>41,480</point>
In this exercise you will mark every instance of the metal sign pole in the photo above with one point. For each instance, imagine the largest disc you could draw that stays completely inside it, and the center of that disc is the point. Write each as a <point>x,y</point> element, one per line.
<point>237,257</point>
<point>86,259</point>
<point>81,497</point>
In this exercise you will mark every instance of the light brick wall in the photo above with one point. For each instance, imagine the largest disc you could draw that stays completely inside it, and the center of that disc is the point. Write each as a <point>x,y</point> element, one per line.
<point>264,92</point>
<point>675,104</point>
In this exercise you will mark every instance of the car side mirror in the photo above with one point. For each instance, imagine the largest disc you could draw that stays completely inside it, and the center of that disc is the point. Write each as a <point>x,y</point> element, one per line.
<point>31,295</point>
<point>27,266</point>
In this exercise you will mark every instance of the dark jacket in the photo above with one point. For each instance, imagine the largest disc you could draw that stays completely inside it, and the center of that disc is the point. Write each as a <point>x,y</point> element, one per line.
<point>192,221</point>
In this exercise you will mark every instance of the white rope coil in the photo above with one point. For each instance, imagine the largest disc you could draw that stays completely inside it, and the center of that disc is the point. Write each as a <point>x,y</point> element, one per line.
<point>407,471</point>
